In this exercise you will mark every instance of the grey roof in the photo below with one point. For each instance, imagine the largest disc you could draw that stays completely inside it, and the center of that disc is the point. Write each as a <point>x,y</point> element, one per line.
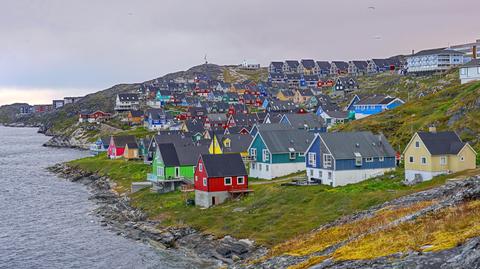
<point>442,142</point>
<point>360,64</point>
<point>305,121</point>
<point>437,51</point>
<point>324,65</point>
<point>188,155</point>
<point>273,126</point>
<point>217,117</point>
<point>472,63</point>
<point>194,126</point>
<point>128,97</point>
<point>337,114</point>
<point>305,92</point>
<point>123,140</point>
<point>174,138</point>
<point>284,141</point>
<point>325,101</point>
<point>292,63</point>
<point>375,99</point>
<point>238,142</point>
<point>277,64</point>
<point>132,145</point>
<point>136,113</point>
<point>344,145</point>
<point>308,63</point>
<point>341,65</point>
<point>224,165</point>
<point>168,154</point>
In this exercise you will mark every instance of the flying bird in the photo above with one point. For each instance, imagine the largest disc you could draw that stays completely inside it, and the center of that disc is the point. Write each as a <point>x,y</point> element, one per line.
<point>371,8</point>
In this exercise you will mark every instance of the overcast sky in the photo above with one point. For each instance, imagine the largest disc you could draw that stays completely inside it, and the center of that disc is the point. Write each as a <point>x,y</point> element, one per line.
<point>53,48</point>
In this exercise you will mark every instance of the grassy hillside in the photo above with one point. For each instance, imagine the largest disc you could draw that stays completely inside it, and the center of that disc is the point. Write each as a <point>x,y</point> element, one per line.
<point>454,108</point>
<point>270,215</point>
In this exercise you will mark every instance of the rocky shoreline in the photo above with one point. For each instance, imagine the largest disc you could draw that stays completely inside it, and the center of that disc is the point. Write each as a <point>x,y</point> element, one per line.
<point>117,214</point>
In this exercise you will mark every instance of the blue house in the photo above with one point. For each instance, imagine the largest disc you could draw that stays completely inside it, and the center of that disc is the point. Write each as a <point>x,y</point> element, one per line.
<point>278,152</point>
<point>156,119</point>
<point>372,104</point>
<point>342,158</point>
<point>164,96</point>
<point>99,146</point>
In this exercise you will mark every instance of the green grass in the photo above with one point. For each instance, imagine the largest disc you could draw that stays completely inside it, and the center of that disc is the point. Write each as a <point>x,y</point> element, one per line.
<point>139,132</point>
<point>270,215</point>
<point>121,171</point>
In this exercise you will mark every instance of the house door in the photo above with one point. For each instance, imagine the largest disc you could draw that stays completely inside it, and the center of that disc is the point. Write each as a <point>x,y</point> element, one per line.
<point>213,200</point>
<point>177,171</point>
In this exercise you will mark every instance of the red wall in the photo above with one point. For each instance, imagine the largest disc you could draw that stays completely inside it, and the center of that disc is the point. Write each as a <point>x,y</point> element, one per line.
<point>216,184</point>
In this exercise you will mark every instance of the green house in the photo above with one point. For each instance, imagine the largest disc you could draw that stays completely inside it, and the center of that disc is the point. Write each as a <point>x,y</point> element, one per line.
<point>175,162</point>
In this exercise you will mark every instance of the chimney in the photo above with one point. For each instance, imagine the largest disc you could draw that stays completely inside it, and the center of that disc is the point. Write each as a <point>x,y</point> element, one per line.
<point>474,52</point>
<point>432,129</point>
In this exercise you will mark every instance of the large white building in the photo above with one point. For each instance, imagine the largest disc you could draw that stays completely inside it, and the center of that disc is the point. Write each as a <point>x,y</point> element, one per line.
<point>434,60</point>
<point>470,71</point>
<point>468,49</point>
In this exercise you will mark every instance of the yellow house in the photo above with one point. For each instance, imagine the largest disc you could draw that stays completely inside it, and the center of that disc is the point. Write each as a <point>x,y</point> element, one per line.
<point>285,95</point>
<point>215,147</point>
<point>131,151</point>
<point>429,154</point>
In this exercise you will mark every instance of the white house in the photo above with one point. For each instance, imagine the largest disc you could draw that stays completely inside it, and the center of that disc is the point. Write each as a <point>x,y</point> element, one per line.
<point>434,60</point>
<point>470,71</point>
<point>127,101</point>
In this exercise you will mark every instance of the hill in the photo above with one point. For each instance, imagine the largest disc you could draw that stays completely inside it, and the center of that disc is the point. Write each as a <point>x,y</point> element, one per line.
<point>456,107</point>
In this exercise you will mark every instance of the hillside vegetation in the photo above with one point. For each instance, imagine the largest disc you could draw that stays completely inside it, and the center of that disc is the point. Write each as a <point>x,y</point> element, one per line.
<point>454,108</point>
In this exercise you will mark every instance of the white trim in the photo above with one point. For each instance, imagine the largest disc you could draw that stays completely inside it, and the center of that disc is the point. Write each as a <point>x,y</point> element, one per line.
<point>225,181</point>
<point>423,158</point>
<point>369,160</point>
<point>204,181</point>
<point>243,180</point>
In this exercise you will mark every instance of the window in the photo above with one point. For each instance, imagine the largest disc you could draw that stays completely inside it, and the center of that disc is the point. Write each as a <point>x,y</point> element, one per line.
<point>260,167</point>
<point>462,158</point>
<point>267,167</point>
<point>205,181</point>
<point>266,155</point>
<point>301,154</point>
<point>240,180</point>
<point>443,160</point>
<point>358,159</point>
<point>423,160</point>
<point>160,171</point>
<point>463,71</point>
<point>292,155</point>
<point>228,181</point>
<point>478,70</point>
<point>369,159</point>
<point>410,159</point>
<point>200,167</point>
<point>381,159</point>
<point>330,175</point>
<point>227,143</point>
<point>253,153</point>
<point>196,178</point>
<point>312,159</point>
<point>253,166</point>
<point>311,172</point>
<point>320,174</point>
<point>327,160</point>
<point>417,144</point>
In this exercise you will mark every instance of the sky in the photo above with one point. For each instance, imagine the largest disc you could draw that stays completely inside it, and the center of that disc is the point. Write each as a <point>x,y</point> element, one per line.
<point>55,48</point>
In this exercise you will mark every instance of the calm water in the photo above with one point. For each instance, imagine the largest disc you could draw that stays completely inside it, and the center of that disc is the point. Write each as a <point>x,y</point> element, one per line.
<point>46,222</point>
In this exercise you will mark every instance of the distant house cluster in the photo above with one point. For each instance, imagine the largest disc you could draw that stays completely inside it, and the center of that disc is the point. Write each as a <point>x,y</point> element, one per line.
<point>42,108</point>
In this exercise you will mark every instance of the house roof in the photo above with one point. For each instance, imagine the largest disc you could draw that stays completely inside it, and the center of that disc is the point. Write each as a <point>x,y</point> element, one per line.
<point>224,165</point>
<point>305,92</point>
<point>238,142</point>
<point>324,65</point>
<point>341,65</point>
<point>123,140</point>
<point>136,113</point>
<point>360,64</point>
<point>375,99</point>
<point>437,51</point>
<point>132,145</point>
<point>292,63</point>
<point>168,154</point>
<point>344,145</point>
<point>284,141</point>
<point>308,63</point>
<point>188,154</point>
<point>273,126</point>
<point>337,114</point>
<point>124,97</point>
<point>305,121</point>
<point>472,63</point>
<point>277,64</point>
<point>442,142</point>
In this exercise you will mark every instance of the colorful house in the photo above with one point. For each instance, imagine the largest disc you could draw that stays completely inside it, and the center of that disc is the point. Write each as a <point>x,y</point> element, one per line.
<point>373,104</point>
<point>275,153</point>
<point>174,165</point>
<point>117,145</point>
<point>131,151</point>
<point>101,145</point>
<point>342,158</point>
<point>433,153</point>
<point>135,117</point>
<point>218,178</point>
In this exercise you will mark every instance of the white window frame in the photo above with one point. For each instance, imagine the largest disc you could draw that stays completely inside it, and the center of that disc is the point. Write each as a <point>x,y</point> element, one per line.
<point>443,160</point>
<point>422,159</point>
<point>369,160</point>
<point>200,167</point>
<point>242,180</point>
<point>253,153</point>
<point>292,154</point>
<point>267,167</point>
<point>327,163</point>
<point>462,158</point>
<point>381,159</point>
<point>204,181</point>
<point>225,181</point>
<point>160,171</point>
<point>312,159</point>
<point>196,178</point>
<point>265,155</point>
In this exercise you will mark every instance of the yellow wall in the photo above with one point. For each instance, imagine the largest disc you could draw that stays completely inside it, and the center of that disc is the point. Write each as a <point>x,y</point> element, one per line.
<point>433,164</point>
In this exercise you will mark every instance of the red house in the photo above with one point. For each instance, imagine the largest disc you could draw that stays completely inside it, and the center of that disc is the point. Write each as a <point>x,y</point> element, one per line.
<point>219,177</point>
<point>116,148</point>
<point>91,117</point>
